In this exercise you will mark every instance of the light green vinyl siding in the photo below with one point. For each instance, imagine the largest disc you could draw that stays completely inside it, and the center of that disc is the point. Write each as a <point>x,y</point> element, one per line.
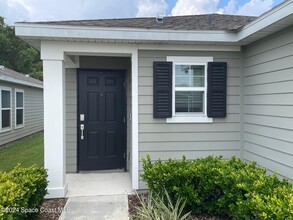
<point>164,140</point>
<point>71,123</point>
<point>33,113</point>
<point>268,98</point>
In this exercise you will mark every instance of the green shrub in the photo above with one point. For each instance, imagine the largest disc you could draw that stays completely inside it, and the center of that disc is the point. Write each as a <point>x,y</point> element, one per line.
<point>160,207</point>
<point>222,187</point>
<point>22,191</point>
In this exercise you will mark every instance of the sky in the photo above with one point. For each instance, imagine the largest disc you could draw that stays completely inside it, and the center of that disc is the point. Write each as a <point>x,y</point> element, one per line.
<point>45,10</point>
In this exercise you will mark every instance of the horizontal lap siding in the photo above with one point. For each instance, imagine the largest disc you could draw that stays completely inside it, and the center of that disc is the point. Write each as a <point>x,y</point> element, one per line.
<point>164,140</point>
<point>268,99</point>
<point>71,117</point>
<point>33,113</point>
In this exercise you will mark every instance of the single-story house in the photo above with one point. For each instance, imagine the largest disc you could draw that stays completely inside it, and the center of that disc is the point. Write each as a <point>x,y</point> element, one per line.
<point>21,103</point>
<point>116,90</point>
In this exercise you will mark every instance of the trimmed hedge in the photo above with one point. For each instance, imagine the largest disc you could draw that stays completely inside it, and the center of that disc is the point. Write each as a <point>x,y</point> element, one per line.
<point>22,192</point>
<point>228,188</point>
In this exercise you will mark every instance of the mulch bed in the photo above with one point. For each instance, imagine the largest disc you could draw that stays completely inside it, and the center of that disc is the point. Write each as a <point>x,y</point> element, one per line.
<point>133,202</point>
<point>52,208</point>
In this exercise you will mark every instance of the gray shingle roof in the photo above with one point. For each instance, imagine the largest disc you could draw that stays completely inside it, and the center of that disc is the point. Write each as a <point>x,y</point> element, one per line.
<point>7,73</point>
<point>190,22</point>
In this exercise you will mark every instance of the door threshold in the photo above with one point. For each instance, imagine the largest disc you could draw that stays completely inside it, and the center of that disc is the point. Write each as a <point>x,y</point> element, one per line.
<point>103,171</point>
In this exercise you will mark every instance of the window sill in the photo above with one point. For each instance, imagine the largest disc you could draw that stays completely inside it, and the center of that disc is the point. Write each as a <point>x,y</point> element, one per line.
<point>19,127</point>
<point>5,130</point>
<point>189,119</point>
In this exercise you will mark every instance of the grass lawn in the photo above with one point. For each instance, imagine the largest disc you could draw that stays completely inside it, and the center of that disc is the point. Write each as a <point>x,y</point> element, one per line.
<point>27,151</point>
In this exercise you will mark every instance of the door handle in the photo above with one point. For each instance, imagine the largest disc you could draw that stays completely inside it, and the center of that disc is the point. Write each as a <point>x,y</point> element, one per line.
<point>81,132</point>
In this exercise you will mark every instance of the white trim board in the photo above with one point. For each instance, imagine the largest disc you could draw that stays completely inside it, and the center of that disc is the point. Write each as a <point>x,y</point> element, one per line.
<point>17,108</point>
<point>134,91</point>
<point>18,81</point>
<point>4,88</point>
<point>54,126</point>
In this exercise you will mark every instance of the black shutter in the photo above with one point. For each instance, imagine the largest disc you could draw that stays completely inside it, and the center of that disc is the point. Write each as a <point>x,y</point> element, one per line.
<point>162,89</point>
<point>217,90</point>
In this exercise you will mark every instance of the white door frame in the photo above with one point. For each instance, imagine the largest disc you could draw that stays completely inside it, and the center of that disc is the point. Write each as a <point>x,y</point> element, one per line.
<point>55,58</point>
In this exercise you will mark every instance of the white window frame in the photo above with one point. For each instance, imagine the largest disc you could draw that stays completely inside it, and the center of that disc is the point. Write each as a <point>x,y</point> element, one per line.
<point>17,108</point>
<point>189,117</point>
<point>10,90</point>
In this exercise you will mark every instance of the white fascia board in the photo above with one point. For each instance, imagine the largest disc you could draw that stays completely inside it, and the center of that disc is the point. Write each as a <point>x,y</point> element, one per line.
<point>273,16</point>
<point>18,81</point>
<point>26,30</point>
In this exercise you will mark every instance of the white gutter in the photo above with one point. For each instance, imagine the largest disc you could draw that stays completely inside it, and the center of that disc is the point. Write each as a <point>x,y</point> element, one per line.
<point>19,81</point>
<point>45,31</point>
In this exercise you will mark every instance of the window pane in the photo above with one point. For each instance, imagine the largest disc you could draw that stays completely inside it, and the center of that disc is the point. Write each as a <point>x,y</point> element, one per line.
<point>189,76</point>
<point>19,99</point>
<point>198,76</point>
<point>5,97</point>
<point>19,116</point>
<point>189,101</point>
<point>5,118</point>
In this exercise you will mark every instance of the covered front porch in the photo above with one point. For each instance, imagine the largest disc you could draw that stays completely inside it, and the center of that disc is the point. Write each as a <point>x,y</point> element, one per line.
<point>67,143</point>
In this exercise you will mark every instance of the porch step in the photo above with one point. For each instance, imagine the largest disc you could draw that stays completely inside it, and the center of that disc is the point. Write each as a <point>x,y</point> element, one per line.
<point>96,208</point>
<point>98,184</point>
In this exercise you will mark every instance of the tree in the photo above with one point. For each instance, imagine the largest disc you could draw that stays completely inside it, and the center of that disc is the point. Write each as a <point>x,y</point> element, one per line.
<point>17,54</point>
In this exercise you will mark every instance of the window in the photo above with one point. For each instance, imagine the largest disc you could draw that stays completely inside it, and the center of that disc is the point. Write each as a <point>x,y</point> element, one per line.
<point>5,113</point>
<point>19,108</point>
<point>189,89</point>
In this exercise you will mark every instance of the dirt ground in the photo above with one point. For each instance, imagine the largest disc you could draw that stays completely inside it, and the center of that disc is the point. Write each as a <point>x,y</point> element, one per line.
<point>52,208</point>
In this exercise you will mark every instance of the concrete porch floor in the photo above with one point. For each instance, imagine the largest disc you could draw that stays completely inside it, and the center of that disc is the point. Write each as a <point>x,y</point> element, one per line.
<point>98,184</point>
<point>97,196</point>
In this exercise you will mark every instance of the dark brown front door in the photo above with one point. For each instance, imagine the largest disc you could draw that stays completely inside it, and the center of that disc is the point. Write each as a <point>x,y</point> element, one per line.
<point>101,119</point>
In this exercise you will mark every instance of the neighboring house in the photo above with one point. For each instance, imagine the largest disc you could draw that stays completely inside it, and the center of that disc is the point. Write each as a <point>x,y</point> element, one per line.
<point>21,105</point>
<point>119,89</point>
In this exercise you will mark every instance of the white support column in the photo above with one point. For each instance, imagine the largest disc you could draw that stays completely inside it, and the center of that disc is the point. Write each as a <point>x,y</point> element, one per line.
<point>54,126</point>
<point>134,88</point>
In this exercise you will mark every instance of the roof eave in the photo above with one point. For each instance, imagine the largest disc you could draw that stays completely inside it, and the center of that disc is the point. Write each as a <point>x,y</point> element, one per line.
<point>268,23</point>
<point>34,33</point>
<point>19,81</point>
